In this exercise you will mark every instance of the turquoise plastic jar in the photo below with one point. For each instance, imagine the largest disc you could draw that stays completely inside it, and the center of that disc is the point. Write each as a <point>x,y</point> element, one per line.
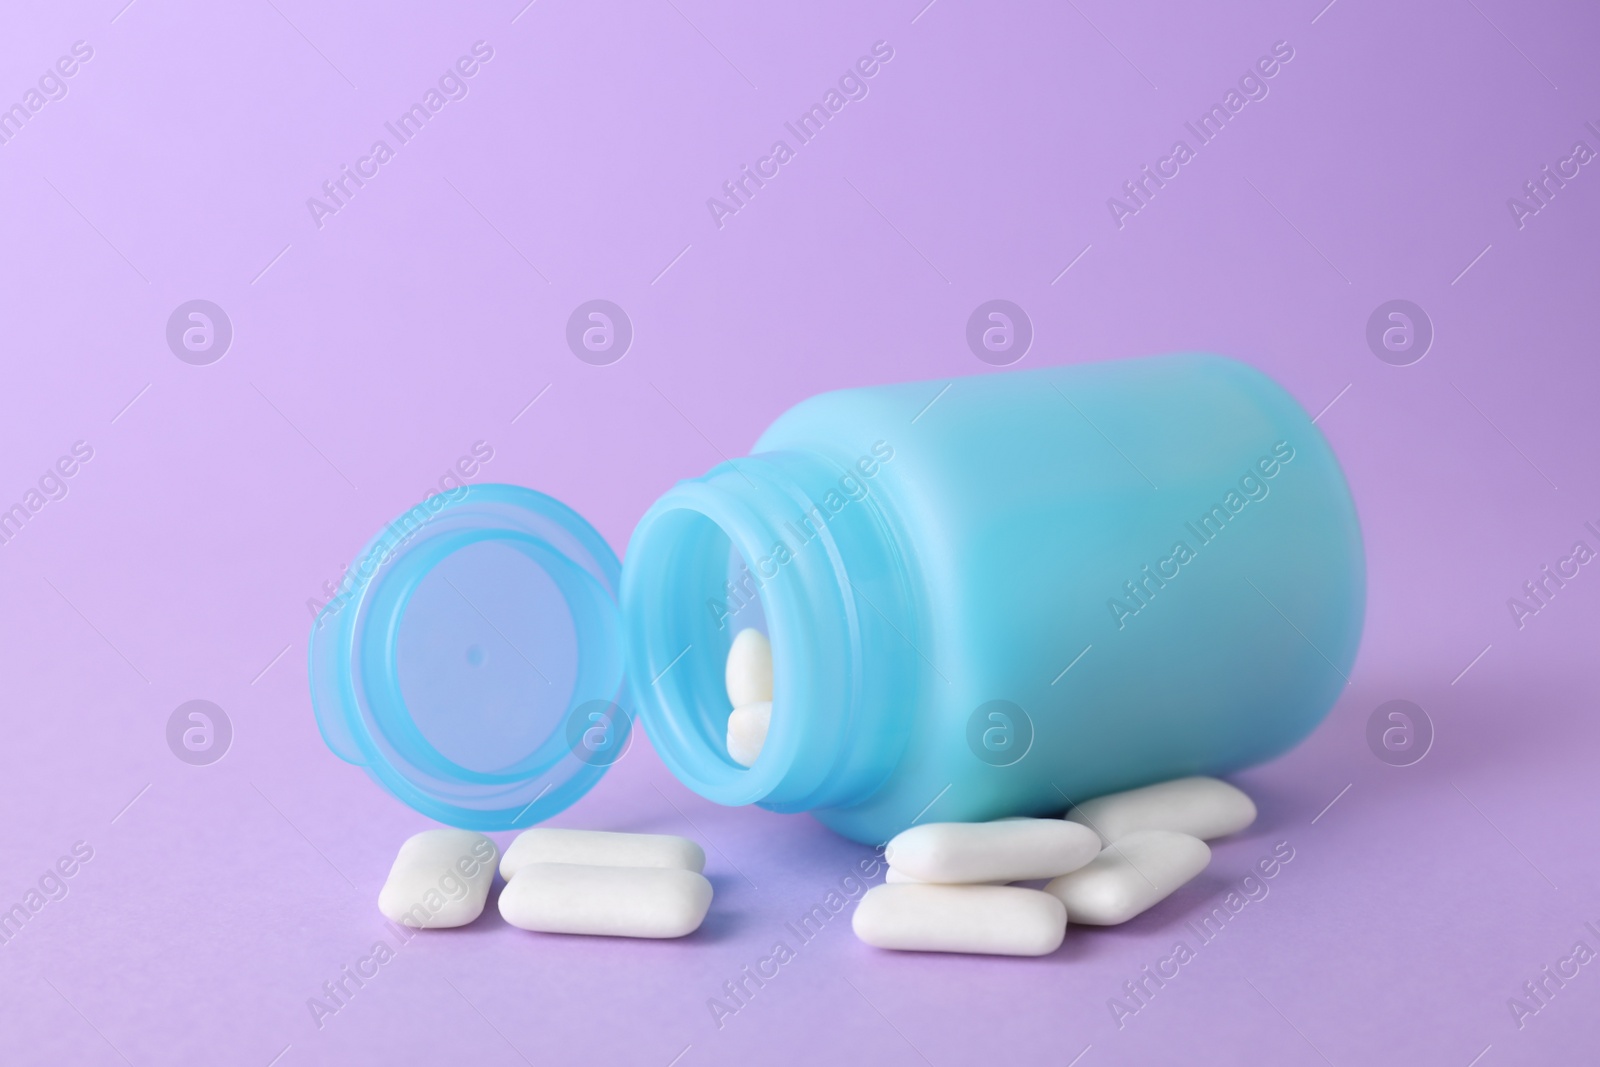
<point>986,597</point>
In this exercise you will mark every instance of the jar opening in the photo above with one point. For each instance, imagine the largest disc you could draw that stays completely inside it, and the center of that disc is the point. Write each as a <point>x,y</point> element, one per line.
<point>824,581</point>
<point>705,589</point>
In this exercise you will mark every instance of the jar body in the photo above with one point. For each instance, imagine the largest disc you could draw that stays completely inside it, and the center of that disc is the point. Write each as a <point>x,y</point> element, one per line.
<point>1052,584</point>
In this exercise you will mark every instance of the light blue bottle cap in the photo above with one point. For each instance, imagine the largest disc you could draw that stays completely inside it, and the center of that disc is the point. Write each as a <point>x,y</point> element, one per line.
<point>472,660</point>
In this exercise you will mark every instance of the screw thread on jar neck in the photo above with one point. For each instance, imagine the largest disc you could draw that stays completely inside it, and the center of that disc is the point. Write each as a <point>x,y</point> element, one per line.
<point>812,554</point>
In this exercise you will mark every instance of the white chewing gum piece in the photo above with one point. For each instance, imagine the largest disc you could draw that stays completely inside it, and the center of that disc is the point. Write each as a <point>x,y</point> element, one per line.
<point>440,879</point>
<point>1200,807</point>
<point>993,920</point>
<point>747,732</point>
<point>1009,850</point>
<point>894,877</point>
<point>749,669</point>
<point>568,898</point>
<point>599,848</point>
<point>1130,877</point>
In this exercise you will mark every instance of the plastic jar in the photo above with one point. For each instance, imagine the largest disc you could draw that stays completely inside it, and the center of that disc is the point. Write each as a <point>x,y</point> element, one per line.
<point>989,597</point>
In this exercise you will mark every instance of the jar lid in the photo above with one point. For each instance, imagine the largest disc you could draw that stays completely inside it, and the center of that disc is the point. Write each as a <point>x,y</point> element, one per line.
<point>472,659</point>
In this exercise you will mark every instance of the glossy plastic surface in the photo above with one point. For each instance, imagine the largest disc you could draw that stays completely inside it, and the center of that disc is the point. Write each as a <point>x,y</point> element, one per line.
<point>1043,586</point>
<point>471,663</point>
<point>986,597</point>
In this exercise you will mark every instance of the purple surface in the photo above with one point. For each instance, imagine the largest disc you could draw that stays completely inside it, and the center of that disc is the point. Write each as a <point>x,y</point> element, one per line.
<point>428,312</point>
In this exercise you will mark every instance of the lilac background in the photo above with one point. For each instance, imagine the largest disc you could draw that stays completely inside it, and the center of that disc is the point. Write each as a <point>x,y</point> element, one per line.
<point>371,353</point>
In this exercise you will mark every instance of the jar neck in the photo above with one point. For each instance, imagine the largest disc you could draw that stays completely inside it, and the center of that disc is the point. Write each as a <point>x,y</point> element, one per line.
<point>814,548</point>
